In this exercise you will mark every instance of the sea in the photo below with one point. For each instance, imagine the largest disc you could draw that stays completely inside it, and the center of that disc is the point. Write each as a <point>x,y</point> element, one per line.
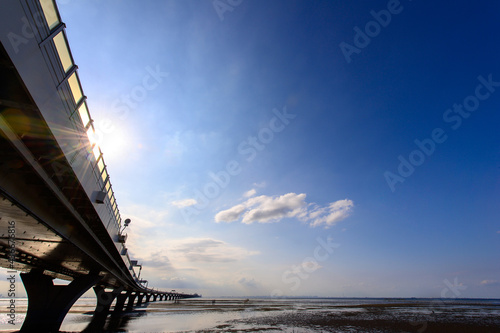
<point>297,315</point>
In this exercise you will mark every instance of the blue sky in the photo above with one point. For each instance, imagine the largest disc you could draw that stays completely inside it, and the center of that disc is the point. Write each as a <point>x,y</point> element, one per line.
<point>257,154</point>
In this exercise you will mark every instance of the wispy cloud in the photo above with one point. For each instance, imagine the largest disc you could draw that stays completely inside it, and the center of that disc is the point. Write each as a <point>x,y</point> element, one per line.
<point>264,209</point>
<point>334,213</point>
<point>172,260</point>
<point>230,215</point>
<point>157,260</point>
<point>248,282</point>
<point>250,193</point>
<point>490,283</point>
<point>268,209</point>
<point>311,265</point>
<point>184,203</point>
<point>208,250</point>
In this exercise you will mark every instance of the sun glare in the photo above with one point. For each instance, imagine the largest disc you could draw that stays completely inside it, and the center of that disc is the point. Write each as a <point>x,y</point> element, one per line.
<point>114,145</point>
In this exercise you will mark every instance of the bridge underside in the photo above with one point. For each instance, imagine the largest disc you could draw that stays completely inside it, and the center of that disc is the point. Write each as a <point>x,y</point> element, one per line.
<point>30,162</point>
<point>37,246</point>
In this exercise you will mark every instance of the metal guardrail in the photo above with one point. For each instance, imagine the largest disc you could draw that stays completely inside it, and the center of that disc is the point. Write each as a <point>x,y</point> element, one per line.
<point>70,86</point>
<point>52,40</point>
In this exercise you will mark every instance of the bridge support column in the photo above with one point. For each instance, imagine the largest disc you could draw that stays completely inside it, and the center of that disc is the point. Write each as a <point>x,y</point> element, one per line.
<point>148,297</point>
<point>104,300</point>
<point>48,304</point>
<point>131,300</point>
<point>140,297</point>
<point>120,301</point>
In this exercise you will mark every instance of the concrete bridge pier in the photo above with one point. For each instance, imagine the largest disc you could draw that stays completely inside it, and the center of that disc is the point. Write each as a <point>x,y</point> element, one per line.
<point>48,304</point>
<point>120,302</point>
<point>104,301</point>
<point>140,297</point>
<point>131,300</point>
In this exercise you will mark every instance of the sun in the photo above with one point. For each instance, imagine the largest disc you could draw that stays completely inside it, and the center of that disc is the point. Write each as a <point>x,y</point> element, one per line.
<point>114,144</point>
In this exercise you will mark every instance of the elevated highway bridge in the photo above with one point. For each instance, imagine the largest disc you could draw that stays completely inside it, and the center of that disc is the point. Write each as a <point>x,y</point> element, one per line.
<point>58,213</point>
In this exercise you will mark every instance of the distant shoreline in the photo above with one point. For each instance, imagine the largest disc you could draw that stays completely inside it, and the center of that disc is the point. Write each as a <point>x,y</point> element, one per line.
<point>346,298</point>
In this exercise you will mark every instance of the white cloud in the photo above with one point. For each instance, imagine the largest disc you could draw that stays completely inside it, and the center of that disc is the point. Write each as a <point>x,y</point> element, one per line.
<point>231,214</point>
<point>490,283</point>
<point>184,203</point>
<point>250,193</point>
<point>207,250</point>
<point>145,216</point>
<point>174,278</point>
<point>248,283</point>
<point>331,215</point>
<point>157,260</point>
<point>266,209</point>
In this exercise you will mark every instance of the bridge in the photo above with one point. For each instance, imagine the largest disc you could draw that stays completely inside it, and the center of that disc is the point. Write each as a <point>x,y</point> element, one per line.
<point>58,213</point>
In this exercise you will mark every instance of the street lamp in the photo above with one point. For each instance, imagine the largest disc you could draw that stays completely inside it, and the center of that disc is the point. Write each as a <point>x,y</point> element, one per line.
<point>125,224</point>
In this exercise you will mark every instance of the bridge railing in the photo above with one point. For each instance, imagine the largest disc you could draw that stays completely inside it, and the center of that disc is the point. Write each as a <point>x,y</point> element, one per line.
<point>72,92</point>
<point>83,153</point>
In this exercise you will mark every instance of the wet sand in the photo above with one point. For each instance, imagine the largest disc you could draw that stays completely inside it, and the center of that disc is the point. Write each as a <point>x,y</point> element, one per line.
<point>398,317</point>
<point>292,315</point>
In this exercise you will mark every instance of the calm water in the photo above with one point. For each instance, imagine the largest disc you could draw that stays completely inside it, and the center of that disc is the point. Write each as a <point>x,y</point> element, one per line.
<point>242,315</point>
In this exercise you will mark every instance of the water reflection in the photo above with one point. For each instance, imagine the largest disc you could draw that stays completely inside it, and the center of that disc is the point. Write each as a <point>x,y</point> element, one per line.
<point>279,315</point>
